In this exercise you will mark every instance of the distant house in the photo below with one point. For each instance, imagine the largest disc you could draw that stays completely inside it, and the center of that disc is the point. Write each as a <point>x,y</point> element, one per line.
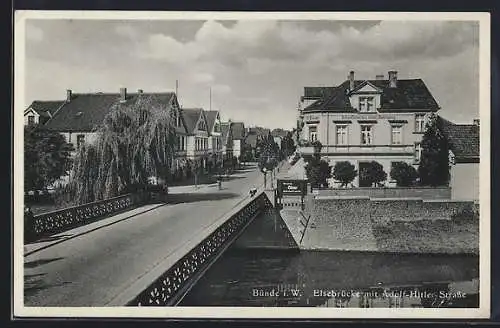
<point>464,159</point>
<point>238,134</point>
<point>214,127</point>
<point>198,133</point>
<point>227,139</point>
<point>39,112</point>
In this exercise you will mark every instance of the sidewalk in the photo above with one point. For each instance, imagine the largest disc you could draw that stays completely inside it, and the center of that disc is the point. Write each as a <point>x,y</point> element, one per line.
<point>84,229</point>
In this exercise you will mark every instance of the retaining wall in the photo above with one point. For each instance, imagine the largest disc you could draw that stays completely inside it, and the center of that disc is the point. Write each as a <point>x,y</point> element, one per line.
<point>384,192</point>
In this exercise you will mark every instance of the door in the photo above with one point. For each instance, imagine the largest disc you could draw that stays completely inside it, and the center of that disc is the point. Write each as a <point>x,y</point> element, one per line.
<point>364,178</point>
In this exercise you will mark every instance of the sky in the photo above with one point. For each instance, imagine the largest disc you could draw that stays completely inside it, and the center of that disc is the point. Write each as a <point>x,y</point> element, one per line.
<point>256,69</point>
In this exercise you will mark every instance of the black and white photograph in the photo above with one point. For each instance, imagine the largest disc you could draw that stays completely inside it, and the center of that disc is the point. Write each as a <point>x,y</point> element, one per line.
<point>251,165</point>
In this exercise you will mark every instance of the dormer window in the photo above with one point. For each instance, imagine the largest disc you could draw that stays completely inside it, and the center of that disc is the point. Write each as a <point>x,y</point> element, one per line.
<point>202,126</point>
<point>366,104</point>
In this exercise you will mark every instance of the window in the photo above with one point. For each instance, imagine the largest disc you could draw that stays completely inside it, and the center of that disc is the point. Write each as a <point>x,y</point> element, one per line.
<point>418,152</point>
<point>419,122</point>
<point>202,126</point>
<point>31,120</point>
<point>80,139</point>
<point>341,134</point>
<point>313,133</point>
<point>366,104</point>
<point>396,135</point>
<point>366,135</point>
<point>177,118</point>
<point>217,127</point>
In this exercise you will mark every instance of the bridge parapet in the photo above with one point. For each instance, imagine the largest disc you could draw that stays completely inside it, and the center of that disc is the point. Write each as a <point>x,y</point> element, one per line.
<point>169,287</point>
<point>61,220</point>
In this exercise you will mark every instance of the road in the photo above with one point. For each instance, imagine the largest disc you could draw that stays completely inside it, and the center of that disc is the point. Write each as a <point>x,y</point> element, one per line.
<point>91,268</point>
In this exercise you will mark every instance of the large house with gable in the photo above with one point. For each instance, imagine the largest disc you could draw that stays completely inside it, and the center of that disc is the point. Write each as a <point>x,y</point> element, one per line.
<point>359,121</point>
<point>39,112</point>
<point>199,132</point>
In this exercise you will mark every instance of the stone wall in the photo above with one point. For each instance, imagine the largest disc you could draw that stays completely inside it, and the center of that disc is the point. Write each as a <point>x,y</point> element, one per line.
<point>396,192</point>
<point>392,225</point>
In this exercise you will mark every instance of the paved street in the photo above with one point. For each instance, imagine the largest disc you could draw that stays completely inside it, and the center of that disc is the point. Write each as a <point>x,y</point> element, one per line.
<point>94,266</point>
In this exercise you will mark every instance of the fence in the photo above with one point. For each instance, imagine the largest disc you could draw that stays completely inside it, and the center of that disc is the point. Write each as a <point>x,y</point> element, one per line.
<point>174,283</point>
<point>61,220</point>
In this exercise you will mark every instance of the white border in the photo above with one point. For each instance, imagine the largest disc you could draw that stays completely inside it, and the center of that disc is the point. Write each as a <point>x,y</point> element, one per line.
<point>244,312</point>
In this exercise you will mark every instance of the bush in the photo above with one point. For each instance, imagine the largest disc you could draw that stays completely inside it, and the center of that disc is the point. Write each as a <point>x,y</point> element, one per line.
<point>318,172</point>
<point>404,174</point>
<point>373,173</point>
<point>344,172</point>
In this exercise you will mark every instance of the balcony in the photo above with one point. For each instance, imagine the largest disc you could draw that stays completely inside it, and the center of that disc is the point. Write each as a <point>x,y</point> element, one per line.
<point>361,150</point>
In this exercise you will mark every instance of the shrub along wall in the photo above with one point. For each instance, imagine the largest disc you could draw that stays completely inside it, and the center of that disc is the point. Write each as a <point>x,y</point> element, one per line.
<point>417,192</point>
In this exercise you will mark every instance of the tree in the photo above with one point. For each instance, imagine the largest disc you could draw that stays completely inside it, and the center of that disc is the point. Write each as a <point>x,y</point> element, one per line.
<point>404,174</point>
<point>287,145</point>
<point>345,172</point>
<point>136,141</point>
<point>433,168</point>
<point>373,173</point>
<point>269,154</point>
<point>47,157</point>
<point>317,170</point>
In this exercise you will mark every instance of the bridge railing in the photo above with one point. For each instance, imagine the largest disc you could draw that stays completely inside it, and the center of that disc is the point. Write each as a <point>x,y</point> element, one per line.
<point>169,288</point>
<point>37,226</point>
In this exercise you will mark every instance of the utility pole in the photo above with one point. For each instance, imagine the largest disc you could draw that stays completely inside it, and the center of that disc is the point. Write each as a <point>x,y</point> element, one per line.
<point>210,98</point>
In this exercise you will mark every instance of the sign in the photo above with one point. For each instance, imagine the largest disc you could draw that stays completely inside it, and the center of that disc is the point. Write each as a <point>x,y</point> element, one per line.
<point>368,116</point>
<point>292,187</point>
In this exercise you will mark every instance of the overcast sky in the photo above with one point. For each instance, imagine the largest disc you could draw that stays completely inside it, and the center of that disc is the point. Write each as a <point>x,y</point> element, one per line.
<point>256,69</point>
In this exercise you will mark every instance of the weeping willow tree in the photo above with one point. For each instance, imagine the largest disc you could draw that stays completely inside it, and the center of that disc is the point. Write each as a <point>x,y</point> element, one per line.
<point>135,142</point>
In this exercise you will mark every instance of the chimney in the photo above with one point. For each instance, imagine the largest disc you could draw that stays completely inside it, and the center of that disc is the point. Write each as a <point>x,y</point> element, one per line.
<point>393,79</point>
<point>351,80</point>
<point>379,77</point>
<point>476,121</point>
<point>123,94</point>
<point>68,95</point>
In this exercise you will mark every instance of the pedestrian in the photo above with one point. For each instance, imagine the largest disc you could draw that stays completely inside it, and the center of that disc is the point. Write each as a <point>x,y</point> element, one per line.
<point>29,224</point>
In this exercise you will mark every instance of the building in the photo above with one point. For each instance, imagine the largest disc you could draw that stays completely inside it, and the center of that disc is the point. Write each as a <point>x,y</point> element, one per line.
<point>82,113</point>
<point>238,134</point>
<point>39,112</point>
<point>360,121</point>
<point>227,140</point>
<point>464,159</point>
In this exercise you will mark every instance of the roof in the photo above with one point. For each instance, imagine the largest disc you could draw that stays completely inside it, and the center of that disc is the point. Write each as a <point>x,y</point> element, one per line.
<point>258,131</point>
<point>463,140</point>
<point>225,128</point>
<point>46,107</point>
<point>191,117</point>
<point>238,130</point>
<point>86,111</point>
<point>317,92</point>
<point>251,140</point>
<point>279,133</point>
<point>410,94</point>
<point>211,115</point>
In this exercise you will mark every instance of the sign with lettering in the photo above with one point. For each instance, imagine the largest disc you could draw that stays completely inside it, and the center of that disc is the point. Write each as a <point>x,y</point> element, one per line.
<point>292,187</point>
<point>368,117</point>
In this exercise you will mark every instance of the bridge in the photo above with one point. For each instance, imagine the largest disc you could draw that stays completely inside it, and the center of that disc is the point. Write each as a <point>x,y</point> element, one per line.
<point>147,255</point>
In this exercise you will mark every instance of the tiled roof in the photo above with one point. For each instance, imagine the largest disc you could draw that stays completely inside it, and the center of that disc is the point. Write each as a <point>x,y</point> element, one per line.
<point>238,130</point>
<point>191,117</point>
<point>211,115</point>
<point>463,140</point>
<point>279,133</point>
<point>44,107</point>
<point>85,112</point>
<point>317,92</point>
<point>408,95</point>
<point>251,140</point>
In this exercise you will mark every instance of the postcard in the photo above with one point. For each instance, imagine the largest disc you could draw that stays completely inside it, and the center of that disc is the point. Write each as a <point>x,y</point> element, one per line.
<point>251,165</point>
